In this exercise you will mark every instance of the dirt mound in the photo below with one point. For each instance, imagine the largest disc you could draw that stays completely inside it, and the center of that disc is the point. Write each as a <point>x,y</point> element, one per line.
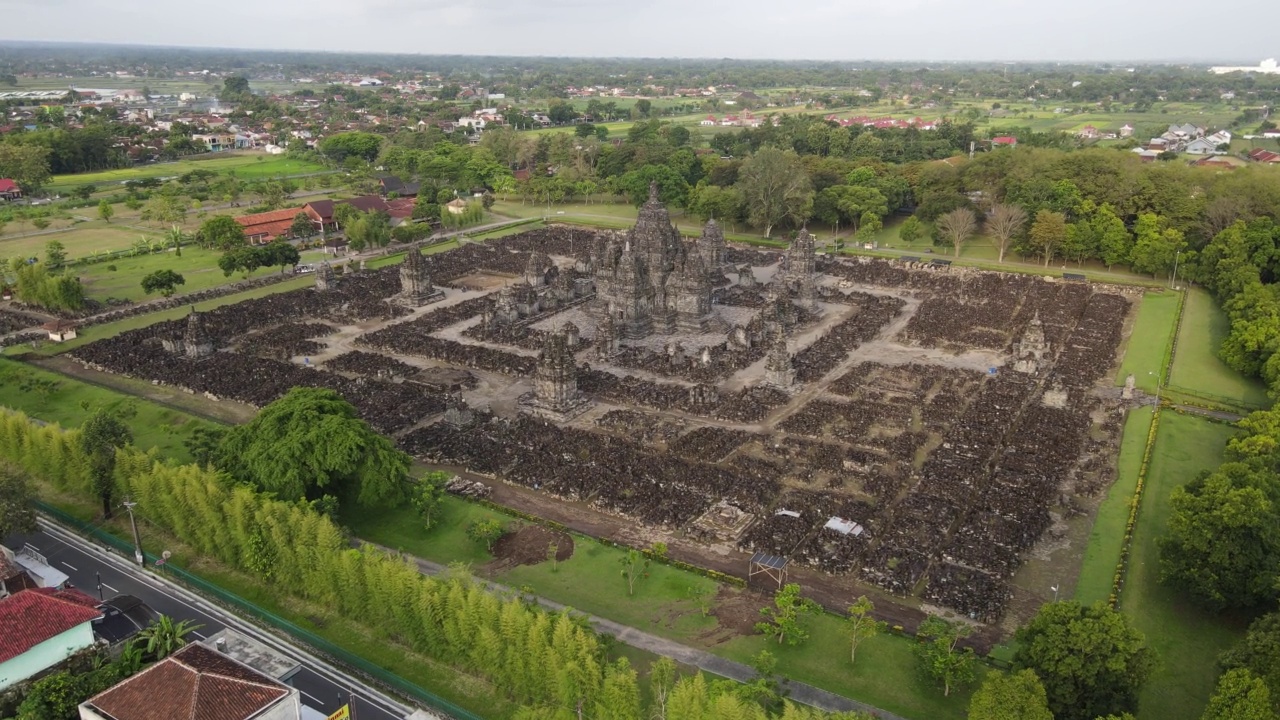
<point>738,611</point>
<point>528,546</point>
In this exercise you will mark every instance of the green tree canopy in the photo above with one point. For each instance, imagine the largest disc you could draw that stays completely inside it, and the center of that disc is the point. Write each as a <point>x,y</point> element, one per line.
<point>16,514</point>
<point>100,437</point>
<point>221,232</point>
<point>1090,660</point>
<point>1258,652</point>
<point>25,164</point>
<point>1240,695</point>
<point>310,443</point>
<point>163,281</point>
<point>361,145</point>
<point>1015,696</point>
<point>775,188</point>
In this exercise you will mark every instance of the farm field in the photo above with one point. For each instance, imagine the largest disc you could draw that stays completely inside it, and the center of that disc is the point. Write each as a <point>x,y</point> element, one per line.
<point>244,165</point>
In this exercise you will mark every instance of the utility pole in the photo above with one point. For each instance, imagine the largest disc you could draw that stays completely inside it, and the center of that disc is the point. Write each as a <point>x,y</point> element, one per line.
<point>1173,281</point>
<point>137,542</point>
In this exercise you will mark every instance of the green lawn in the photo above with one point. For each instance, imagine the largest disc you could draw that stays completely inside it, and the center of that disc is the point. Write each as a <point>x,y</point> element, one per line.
<point>69,402</point>
<point>79,241</point>
<point>1102,554</point>
<point>1149,344</point>
<point>245,165</point>
<point>1186,640</point>
<point>199,267</point>
<point>1196,366</point>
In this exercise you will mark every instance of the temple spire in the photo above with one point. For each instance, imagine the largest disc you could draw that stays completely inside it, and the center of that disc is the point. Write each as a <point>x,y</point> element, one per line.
<point>653,191</point>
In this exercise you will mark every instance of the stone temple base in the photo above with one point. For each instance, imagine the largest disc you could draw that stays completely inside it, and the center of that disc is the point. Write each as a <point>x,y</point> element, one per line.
<point>435,296</point>
<point>528,403</point>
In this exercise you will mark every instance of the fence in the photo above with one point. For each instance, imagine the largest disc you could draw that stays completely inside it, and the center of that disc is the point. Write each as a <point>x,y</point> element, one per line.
<point>244,607</point>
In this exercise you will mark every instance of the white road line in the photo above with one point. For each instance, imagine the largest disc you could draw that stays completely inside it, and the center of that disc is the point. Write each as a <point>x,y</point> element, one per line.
<point>110,588</point>
<point>198,634</point>
<point>311,697</point>
<point>73,567</point>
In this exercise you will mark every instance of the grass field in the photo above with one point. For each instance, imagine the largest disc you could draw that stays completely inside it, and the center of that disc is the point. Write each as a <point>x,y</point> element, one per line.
<point>1186,640</point>
<point>1196,365</point>
<point>197,266</point>
<point>1149,343</point>
<point>244,165</point>
<point>69,402</point>
<point>79,242</point>
<point>1102,554</point>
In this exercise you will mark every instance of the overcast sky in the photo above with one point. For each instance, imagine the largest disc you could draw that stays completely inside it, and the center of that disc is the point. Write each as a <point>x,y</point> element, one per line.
<point>818,29</point>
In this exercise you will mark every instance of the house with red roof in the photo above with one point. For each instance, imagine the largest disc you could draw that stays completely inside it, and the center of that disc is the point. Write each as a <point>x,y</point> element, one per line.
<point>1264,156</point>
<point>1004,141</point>
<point>196,682</point>
<point>262,228</point>
<point>9,189</point>
<point>39,630</point>
<point>708,121</point>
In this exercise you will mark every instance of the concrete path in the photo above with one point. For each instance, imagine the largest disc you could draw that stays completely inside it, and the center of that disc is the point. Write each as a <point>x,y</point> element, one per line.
<point>799,692</point>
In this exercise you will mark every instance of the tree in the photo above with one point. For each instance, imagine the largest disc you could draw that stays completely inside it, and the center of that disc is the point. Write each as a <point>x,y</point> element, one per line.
<point>1091,660</point>
<point>244,258</point>
<point>235,88</point>
<point>486,532</point>
<point>1240,695</point>
<point>362,145</point>
<point>911,230</point>
<point>100,437</point>
<point>1016,696</point>
<point>1003,224</point>
<point>1258,652</point>
<point>302,227</point>
<point>221,232</point>
<point>16,514</point>
<point>1222,545</point>
<point>775,188</point>
<point>643,107</point>
<point>203,443</point>
<point>862,626</point>
<point>1048,232</point>
<point>371,230</point>
<point>940,656</point>
<point>785,619</point>
<point>662,680</point>
<point>25,164</point>
<point>164,636</point>
<point>634,567</point>
<point>957,227</point>
<point>105,211</point>
<point>55,255</point>
<point>279,253</point>
<point>163,281</point>
<point>428,497</point>
<point>1114,242</point>
<point>310,443</point>
<point>1155,250</point>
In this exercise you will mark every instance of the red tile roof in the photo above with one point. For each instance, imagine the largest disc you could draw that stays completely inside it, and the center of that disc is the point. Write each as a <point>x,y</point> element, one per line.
<point>321,210</point>
<point>1005,140</point>
<point>7,185</point>
<point>195,683</point>
<point>401,208</point>
<point>274,224</point>
<point>29,618</point>
<point>70,595</point>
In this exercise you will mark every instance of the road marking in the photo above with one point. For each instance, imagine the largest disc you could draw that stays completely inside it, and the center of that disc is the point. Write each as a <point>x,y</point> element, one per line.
<point>198,634</point>
<point>110,588</point>
<point>73,567</point>
<point>311,697</point>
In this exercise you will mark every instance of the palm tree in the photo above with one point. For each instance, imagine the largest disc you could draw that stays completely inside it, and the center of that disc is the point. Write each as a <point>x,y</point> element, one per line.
<point>163,637</point>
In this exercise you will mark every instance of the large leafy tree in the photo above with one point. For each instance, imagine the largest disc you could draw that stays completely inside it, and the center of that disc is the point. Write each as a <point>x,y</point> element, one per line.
<point>775,188</point>
<point>221,232</point>
<point>100,436</point>
<point>16,514</point>
<point>310,443</point>
<point>785,619</point>
<point>361,145</point>
<point>163,281</point>
<point>1048,232</point>
<point>1258,652</point>
<point>25,164</point>
<point>1223,541</point>
<point>1015,696</point>
<point>1090,660</point>
<point>1241,695</point>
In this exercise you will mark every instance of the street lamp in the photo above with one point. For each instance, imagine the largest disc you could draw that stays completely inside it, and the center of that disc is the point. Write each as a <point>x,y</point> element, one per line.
<point>137,542</point>
<point>1173,281</point>
<point>1054,588</point>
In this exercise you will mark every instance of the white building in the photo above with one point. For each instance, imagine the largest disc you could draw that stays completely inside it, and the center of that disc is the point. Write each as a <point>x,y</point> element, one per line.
<point>1266,67</point>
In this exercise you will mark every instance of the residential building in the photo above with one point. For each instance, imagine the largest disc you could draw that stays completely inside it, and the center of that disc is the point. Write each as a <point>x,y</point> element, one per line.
<point>219,142</point>
<point>37,567</point>
<point>262,228</point>
<point>39,631</point>
<point>708,121</point>
<point>388,184</point>
<point>1264,156</point>
<point>456,206</point>
<point>196,682</point>
<point>1126,130</point>
<point>60,330</point>
<point>1004,141</point>
<point>13,578</point>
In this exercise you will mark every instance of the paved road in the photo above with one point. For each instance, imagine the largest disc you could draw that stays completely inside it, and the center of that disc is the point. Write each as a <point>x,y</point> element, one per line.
<point>321,685</point>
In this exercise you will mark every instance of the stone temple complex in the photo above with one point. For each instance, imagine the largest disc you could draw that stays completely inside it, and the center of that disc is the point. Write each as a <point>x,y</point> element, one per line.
<point>1032,348</point>
<point>194,342</point>
<point>650,280</point>
<point>416,289</point>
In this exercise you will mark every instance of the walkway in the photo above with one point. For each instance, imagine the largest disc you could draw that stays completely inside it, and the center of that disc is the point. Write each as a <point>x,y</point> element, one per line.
<point>799,692</point>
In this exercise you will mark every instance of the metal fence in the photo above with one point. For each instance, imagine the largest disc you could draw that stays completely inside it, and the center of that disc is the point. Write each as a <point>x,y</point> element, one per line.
<point>244,607</point>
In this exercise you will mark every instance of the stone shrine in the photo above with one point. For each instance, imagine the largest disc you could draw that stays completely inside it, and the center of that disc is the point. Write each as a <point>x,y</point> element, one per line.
<point>555,395</point>
<point>778,370</point>
<point>415,280</point>
<point>325,278</point>
<point>1030,351</point>
<point>194,343</point>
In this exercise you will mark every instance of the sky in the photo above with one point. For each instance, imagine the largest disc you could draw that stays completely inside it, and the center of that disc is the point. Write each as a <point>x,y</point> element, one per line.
<point>958,30</point>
